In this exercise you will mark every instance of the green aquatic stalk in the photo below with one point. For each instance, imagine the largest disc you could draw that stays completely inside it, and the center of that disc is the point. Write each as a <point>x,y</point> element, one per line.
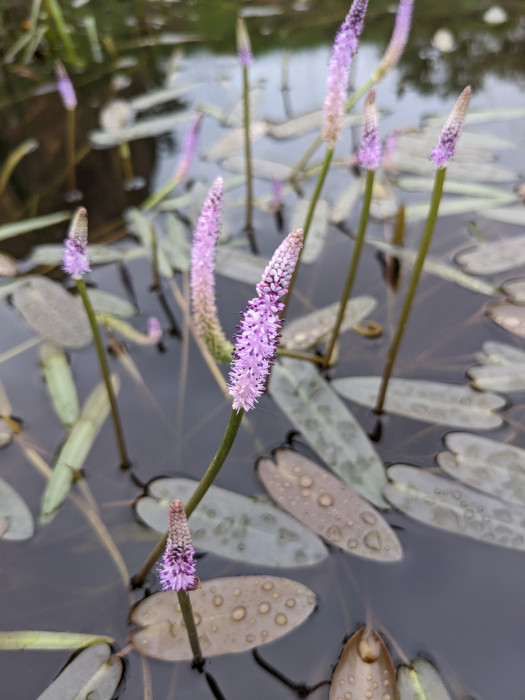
<point>248,225</point>
<point>191,627</point>
<point>309,216</point>
<point>199,493</point>
<point>82,290</point>
<point>55,12</point>
<point>412,286</point>
<point>358,246</point>
<point>125,155</point>
<point>70,127</point>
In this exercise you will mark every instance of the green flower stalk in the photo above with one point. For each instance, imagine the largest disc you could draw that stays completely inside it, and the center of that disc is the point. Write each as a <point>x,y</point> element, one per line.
<point>69,100</point>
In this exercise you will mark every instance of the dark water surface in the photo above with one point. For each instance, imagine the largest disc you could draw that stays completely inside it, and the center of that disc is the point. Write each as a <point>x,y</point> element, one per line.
<point>453,600</point>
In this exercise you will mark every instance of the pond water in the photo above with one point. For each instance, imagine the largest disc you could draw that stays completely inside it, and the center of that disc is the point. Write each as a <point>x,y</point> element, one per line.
<point>454,600</point>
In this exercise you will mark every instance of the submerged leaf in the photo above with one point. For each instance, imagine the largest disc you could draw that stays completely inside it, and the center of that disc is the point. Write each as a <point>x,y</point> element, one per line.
<point>365,670</point>
<point>488,465</point>
<point>60,383</point>
<point>448,505</point>
<point>328,426</point>
<point>328,506</point>
<point>490,258</point>
<point>234,526</point>
<point>14,509</point>
<point>53,313</point>
<point>36,639</point>
<point>311,329</point>
<point>232,615</point>
<point>94,673</point>
<point>420,681</point>
<point>431,402</point>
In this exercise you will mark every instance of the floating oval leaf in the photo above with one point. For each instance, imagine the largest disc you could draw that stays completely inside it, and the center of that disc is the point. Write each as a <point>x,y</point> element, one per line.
<point>515,289</point>
<point>328,426</point>
<point>265,169</point>
<point>51,254</point>
<point>318,227</point>
<point>146,128</point>
<point>144,229</point>
<point>508,215</point>
<point>490,258</point>
<point>328,506</point>
<point>448,505</point>
<point>36,639</point>
<point>487,465</point>
<point>420,681</point>
<point>432,402</point>
<point>504,378</point>
<point>53,313</point>
<point>238,265</point>
<point>343,205</point>
<point>234,141</point>
<point>314,327</point>
<point>60,383</point>
<point>365,670</point>
<point>232,615</point>
<point>27,225</point>
<point>16,512</point>
<point>234,526</point>
<point>104,302</point>
<point>509,316</point>
<point>94,673</point>
<point>501,353</point>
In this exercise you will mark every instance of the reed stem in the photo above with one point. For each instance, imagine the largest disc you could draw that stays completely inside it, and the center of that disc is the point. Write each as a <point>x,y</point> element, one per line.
<point>191,627</point>
<point>248,225</point>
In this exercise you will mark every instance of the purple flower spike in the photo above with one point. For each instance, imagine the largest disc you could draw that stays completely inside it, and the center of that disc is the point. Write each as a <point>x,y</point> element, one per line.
<point>202,276</point>
<point>448,139</point>
<point>189,150</point>
<point>75,260</point>
<point>177,569</point>
<point>154,330</point>
<point>369,154</point>
<point>244,48</point>
<point>65,87</point>
<point>343,50</point>
<point>258,333</point>
<point>398,40</point>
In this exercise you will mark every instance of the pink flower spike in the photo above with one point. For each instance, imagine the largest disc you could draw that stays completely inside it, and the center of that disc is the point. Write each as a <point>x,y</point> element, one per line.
<point>154,330</point>
<point>369,153</point>
<point>65,87</point>
<point>189,150</point>
<point>177,569</point>
<point>75,259</point>
<point>244,48</point>
<point>258,333</point>
<point>398,40</point>
<point>448,139</point>
<point>202,275</point>
<point>343,50</point>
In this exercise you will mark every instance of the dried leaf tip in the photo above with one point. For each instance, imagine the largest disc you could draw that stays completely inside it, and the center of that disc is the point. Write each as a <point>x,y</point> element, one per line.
<point>75,259</point>
<point>448,139</point>
<point>244,47</point>
<point>369,154</point>
<point>177,569</point>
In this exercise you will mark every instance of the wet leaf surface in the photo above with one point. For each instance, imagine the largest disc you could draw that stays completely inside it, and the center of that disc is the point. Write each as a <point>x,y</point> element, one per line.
<point>420,681</point>
<point>107,303</point>
<point>365,670</point>
<point>431,402</point>
<point>94,673</point>
<point>515,289</point>
<point>328,506</point>
<point>146,128</point>
<point>232,615</point>
<point>53,313</point>
<point>491,258</point>
<point>37,639</point>
<point>328,426</point>
<point>60,384</point>
<point>234,526</point>
<point>318,227</point>
<point>447,505</point>
<point>508,215</point>
<point>234,141</point>
<point>502,368</point>
<point>14,509</point>
<point>509,316</point>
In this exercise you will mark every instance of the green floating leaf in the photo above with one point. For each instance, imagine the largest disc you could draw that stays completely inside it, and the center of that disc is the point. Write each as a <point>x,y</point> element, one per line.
<point>234,141</point>
<point>142,227</point>
<point>318,227</point>
<point>159,96</point>
<point>16,512</point>
<point>328,426</point>
<point>75,449</point>
<point>175,244</point>
<point>384,203</point>
<point>305,123</point>
<point>232,615</point>
<point>60,383</point>
<point>51,254</point>
<point>420,681</point>
<point>39,222</point>
<point>236,117</point>
<point>437,268</point>
<point>328,506</point>
<point>106,303</point>
<point>490,258</point>
<point>431,402</point>
<point>309,330</point>
<point>502,368</point>
<point>485,115</point>
<point>500,354</point>
<point>508,215</point>
<point>265,169</point>
<point>94,673</point>
<point>426,184</point>
<point>490,466</point>
<point>343,205</point>
<point>7,289</point>
<point>452,207</point>
<point>146,128</point>
<point>515,289</point>
<point>508,315</point>
<point>238,265</point>
<point>471,169</point>
<point>448,505</point>
<point>36,639</point>
<point>364,670</point>
<point>53,313</point>
<point>234,526</point>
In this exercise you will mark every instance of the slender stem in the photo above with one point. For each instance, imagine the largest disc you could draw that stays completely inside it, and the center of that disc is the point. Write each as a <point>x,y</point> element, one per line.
<point>53,9</point>
<point>159,195</point>
<point>414,279</point>
<point>191,627</point>
<point>125,463</point>
<point>316,359</point>
<point>155,258</point>
<point>71,179</point>
<point>248,226</point>
<point>309,216</point>
<point>312,148</point>
<point>358,246</point>
<point>203,485</point>
<point>125,155</point>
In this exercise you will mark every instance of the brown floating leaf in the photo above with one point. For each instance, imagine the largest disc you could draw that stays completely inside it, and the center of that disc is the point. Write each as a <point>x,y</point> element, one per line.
<point>328,506</point>
<point>365,670</point>
<point>232,615</point>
